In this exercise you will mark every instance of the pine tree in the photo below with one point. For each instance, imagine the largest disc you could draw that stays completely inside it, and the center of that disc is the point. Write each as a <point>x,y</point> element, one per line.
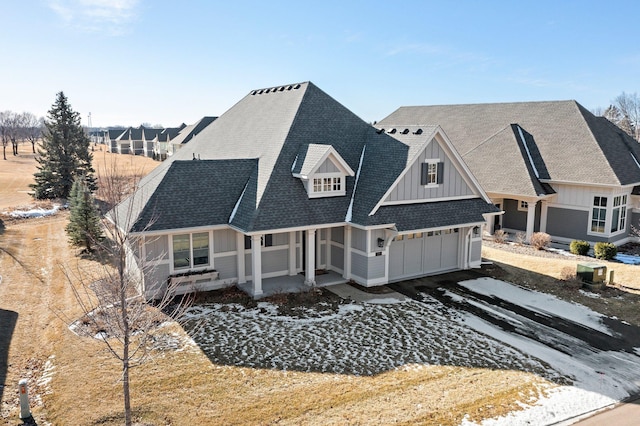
<point>64,154</point>
<point>83,229</point>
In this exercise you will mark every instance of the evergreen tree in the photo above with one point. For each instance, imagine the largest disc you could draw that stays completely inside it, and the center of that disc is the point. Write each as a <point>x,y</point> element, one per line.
<point>83,229</point>
<point>64,154</point>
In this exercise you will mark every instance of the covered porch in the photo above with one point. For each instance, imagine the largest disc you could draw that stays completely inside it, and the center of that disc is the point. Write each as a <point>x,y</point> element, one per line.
<point>292,283</point>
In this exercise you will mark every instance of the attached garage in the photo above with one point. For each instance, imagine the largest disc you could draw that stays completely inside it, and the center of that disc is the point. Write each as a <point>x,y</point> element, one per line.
<point>424,253</point>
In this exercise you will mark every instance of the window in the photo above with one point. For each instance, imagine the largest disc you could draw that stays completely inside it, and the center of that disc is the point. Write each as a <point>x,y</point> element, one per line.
<point>327,184</point>
<point>523,206</point>
<point>599,214</point>
<point>431,173</point>
<point>201,249</point>
<point>181,251</point>
<point>619,216</point>
<point>190,250</point>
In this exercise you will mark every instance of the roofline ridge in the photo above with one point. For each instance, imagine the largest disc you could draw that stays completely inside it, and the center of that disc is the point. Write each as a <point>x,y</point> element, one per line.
<point>489,103</point>
<point>489,138</point>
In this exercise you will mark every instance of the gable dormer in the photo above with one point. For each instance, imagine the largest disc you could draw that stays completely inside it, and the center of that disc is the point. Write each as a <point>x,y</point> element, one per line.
<point>322,171</point>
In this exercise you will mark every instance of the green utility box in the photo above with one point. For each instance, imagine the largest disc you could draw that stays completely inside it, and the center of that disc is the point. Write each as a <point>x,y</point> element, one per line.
<point>593,274</point>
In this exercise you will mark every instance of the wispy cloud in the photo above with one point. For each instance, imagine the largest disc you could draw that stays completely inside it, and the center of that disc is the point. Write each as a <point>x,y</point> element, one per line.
<point>111,17</point>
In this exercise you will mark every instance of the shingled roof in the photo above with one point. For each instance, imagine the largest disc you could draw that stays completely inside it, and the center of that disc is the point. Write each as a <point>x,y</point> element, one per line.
<point>573,144</point>
<point>246,160</point>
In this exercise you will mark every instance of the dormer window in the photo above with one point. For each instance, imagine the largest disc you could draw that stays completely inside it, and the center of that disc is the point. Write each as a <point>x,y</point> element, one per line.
<point>322,170</point>
<point>328,184</point>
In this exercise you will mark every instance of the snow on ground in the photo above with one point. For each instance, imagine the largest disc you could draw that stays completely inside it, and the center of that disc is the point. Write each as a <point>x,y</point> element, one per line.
<point>538,302</point>
<point>38,212</point>
<point>600,378</point>
<point>370,338</point>
<point>360,339</point>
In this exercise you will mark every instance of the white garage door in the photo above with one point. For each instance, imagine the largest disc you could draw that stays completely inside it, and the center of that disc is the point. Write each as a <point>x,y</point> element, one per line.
<point>423,253</point>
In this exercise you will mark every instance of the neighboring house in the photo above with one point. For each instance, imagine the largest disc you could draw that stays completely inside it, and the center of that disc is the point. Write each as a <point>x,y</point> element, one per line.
<point>162,142</point>
<point>128,140</point>
<point>551,166</point>
<point>289,183</point>
<point>188,133</point>
<point>111,139</point>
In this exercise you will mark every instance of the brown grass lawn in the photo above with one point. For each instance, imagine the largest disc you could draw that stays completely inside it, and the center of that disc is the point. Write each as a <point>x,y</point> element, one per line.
<point>74,382</point>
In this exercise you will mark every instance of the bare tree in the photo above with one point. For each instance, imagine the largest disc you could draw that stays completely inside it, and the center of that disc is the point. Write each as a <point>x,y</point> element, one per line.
<point>113,303</point>
<point>32,128</point>
<point>4,131</point>
<point>629,106</point>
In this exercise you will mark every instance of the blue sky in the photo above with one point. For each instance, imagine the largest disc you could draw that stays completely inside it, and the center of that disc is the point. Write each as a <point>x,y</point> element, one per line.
<point>168,62</point>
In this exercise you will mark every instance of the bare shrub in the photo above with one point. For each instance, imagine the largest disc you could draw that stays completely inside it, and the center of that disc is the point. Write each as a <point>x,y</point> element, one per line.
<point>521,238</point>
<point>540,240</point>
<point>570,278</point>
<point>500,236</point>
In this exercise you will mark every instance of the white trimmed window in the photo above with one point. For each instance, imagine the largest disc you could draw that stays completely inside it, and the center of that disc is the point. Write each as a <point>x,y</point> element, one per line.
<point>523,206</point>
<point>328,186</point>
<point>619,216</point>
<point>432,173</point>
<point>190,250</point>
<point>599,214</point>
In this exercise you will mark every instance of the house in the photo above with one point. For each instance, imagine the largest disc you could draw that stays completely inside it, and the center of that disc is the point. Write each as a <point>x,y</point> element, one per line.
<point>111,139</point>
<point>188,133</point>
<point>552,167</point>
<point>162,141</point>
<point>290,183</point>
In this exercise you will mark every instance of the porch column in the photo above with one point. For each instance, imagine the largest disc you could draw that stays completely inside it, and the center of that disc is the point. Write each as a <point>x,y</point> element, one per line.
<point>318,247</point>
<point>531,218</point>
<point>292,253</point>
<point>310,267</point>
<point>346,274</point>
<point>544,208</point>
<point>327,247</point>
<point>240,257</point>
<point>256,264</point>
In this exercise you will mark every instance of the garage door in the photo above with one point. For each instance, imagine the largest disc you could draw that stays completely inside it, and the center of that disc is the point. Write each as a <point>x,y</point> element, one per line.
<point>423,253</point>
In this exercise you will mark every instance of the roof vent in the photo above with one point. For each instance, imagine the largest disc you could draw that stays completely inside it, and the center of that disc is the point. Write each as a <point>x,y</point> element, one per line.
<point>392,131</point>
<point>297,86</point>
<point>260,91</point>
<point>280,89</point>
<point>418,132</point>
<point>405,131</point>
<point>253,92</point>
<point>378,131</point>
<point>289,87</point>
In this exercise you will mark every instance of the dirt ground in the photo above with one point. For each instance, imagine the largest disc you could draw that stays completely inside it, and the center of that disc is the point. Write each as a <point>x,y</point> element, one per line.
<point>73,381</point>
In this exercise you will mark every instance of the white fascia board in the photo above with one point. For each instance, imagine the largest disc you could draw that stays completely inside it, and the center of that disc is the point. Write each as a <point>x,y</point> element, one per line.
<point>293,229</point>
<point>568,182</point>
<point>341,163</point>
<point>180,230</point>
<point>407,167</point>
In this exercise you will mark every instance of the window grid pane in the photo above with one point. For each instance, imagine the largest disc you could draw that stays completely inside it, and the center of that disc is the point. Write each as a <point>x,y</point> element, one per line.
<point>201,249</point>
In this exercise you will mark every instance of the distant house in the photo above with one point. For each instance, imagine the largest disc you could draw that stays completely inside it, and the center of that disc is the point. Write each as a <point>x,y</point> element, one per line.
<point>551,166</point>
<point>187,133</point>
<point>111,139</point>
<point>289,183</point>
<point>162,141</point>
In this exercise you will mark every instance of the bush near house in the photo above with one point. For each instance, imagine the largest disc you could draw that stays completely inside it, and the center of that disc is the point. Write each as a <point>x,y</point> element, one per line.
<point>579,247</point>
<point>540,240</point>
<point>500,236</point>
<point>605,251</point>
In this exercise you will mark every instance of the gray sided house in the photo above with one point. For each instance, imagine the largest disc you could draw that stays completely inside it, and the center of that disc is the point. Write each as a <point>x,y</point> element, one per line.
<point>289,183</point>
<point>551,166</point>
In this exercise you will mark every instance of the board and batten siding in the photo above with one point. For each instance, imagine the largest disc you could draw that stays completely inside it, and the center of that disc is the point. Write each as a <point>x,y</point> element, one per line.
<point>224,240</point>
<point>227,266</point>
<point>359,239</point>
<point>409,187</point>
<point>157,248</point>
<point>328,166</point>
